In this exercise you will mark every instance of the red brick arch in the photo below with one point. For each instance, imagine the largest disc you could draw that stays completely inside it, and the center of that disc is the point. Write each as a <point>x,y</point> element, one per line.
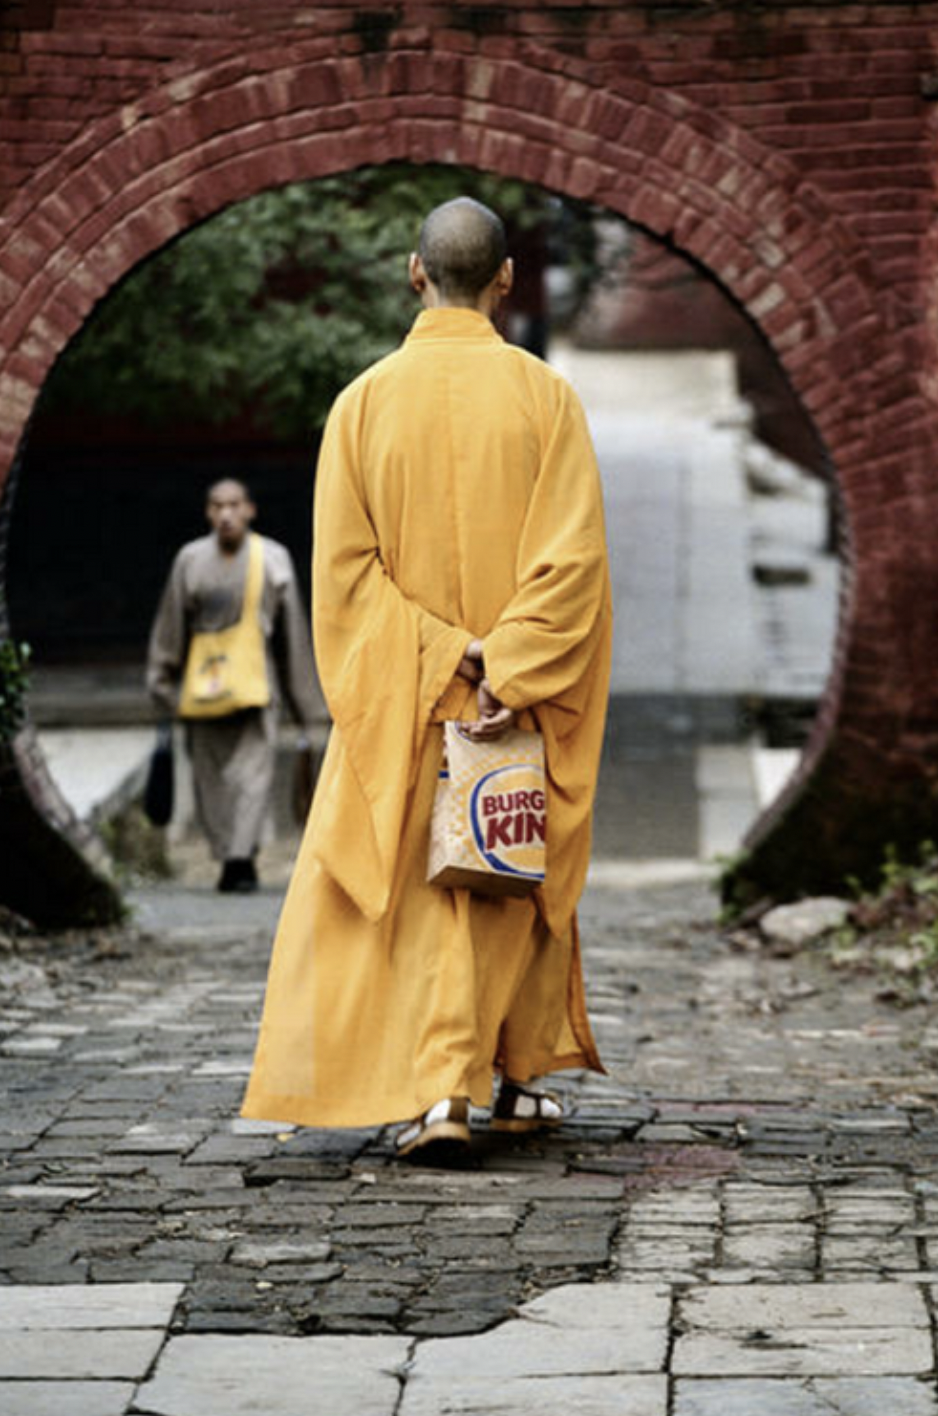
<point>135,179</point>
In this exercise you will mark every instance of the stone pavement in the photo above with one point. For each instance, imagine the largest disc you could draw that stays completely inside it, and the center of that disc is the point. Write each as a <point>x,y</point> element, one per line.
<point>740,1220</point>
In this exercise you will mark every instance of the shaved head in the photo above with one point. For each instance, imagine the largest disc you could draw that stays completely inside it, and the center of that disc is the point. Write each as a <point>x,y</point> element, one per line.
<point>462,246</point>
<point>226,486</point>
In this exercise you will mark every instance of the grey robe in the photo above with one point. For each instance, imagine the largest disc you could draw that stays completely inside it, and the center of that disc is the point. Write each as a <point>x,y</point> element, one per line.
<point>233,758</point>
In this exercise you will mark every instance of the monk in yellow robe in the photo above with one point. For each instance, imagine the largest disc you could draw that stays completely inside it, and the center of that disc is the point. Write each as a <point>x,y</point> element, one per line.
<point>460,572</point>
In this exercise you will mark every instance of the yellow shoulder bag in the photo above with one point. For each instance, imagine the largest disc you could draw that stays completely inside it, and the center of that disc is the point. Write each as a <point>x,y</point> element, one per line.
<point>226,670</point>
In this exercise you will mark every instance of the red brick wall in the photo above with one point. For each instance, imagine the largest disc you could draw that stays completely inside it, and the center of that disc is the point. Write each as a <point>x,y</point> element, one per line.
<point>787,148</point>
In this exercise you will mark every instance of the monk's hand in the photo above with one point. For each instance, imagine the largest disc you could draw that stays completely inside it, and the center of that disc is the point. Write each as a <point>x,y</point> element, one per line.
<point>470,665</point>
<point>495,718</point>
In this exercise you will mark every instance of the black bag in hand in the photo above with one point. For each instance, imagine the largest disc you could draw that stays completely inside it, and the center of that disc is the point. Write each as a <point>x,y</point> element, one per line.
<point>158,792</point>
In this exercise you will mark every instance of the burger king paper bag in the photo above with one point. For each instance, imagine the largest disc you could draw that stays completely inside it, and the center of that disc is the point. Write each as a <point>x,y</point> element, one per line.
<point>490,814</point>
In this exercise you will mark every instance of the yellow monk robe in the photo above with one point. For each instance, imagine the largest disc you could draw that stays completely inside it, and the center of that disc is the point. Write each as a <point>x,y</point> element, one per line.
<point>457,497</point>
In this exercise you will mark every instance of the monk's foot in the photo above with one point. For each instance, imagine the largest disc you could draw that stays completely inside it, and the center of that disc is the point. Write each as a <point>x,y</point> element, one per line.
<point>238,877</point>
<point>521,1109</point>
<point>438,1137</point>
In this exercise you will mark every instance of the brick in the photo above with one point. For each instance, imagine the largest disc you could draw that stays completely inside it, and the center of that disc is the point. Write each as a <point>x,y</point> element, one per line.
<point>66,44</point>
<point>904,222</point>
<point>133,45</point>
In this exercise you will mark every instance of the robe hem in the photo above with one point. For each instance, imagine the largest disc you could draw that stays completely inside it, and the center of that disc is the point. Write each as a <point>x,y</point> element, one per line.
<point>525,1071</point>
<point>297,1111</point>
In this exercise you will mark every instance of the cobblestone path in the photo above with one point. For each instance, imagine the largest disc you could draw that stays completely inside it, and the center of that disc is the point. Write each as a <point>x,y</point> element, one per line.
<point>763,1154</point>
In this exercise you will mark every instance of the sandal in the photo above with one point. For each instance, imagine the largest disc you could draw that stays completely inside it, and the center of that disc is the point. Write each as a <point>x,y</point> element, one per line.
<point>443,1130</point>
<point>520,1109</point>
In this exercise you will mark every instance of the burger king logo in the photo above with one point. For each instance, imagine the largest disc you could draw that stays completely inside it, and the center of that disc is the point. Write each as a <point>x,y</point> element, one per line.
<point>508,817</point>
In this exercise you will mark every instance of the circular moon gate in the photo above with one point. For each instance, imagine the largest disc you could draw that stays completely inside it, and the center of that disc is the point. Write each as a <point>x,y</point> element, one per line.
<point>136,179</point>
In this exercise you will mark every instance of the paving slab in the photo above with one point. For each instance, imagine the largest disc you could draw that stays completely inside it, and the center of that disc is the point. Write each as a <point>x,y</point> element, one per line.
<point>82,1354</point>
<point>805,1330</point>
<point>821,1306</point>
<point>585,1348</point>
<point>57,1308</point>
<point>276,1376</point>
<point>813,1396</point>
<point>642,1309</point>
<point>576,1330</point>
<point>65,1398</point>
<point>281,1252</point>
<point>805,1352</point>
<point>780,1246</point>
<point>758,1112</point>
<point>752,1204</point>
<point>479,1393</point>
<point>53,1194</point>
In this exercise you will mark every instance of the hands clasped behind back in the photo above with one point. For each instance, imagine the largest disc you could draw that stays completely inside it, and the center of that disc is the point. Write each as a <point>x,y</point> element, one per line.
<point>495,718</point>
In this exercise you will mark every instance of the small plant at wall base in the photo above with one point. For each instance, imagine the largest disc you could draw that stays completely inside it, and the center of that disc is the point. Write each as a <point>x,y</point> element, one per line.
<point>893,929</point>
<point>14,683</point>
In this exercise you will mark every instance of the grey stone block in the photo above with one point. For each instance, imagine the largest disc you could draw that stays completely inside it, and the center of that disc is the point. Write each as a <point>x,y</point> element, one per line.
<point>111,1353</point>
<point>124,1270</point>
<point>821,1396</point>
<point>281,1251</point>
<point>757,1204</point>
<point>838,1329</point>
<point>65,1398</point>
<point>871,1251</point>
<point>150,1137</point>
<point>577,1330</point>
<point>56,1196</point>
<point>276,1376</point>
<point>667,1250</point>
<point>769,1246</point>
<point>88,1126</point>
<point>67,1307</point>
<point>222,1149</point>
<point>535,1396</point>
<point>677,1209</point>
<point>830,1305</point>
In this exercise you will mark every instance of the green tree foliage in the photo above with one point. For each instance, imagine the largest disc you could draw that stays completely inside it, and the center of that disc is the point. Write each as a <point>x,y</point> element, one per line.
<point>273,305</point>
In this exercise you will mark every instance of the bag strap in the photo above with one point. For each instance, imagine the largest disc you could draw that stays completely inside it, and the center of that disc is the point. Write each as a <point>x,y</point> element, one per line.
<point>254,581</point>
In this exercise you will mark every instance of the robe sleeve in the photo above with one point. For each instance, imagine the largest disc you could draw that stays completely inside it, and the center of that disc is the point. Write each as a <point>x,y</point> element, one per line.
<point>545,638</point>
<point>548,655</point>
<point>384,661</point>
<point>169,640</point>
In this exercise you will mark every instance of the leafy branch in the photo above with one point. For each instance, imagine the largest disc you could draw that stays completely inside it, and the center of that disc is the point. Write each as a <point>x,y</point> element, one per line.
<point>270,307</point>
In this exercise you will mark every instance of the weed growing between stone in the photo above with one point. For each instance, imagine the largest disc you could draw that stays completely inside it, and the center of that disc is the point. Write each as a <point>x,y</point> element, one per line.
<point>892,931</point>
